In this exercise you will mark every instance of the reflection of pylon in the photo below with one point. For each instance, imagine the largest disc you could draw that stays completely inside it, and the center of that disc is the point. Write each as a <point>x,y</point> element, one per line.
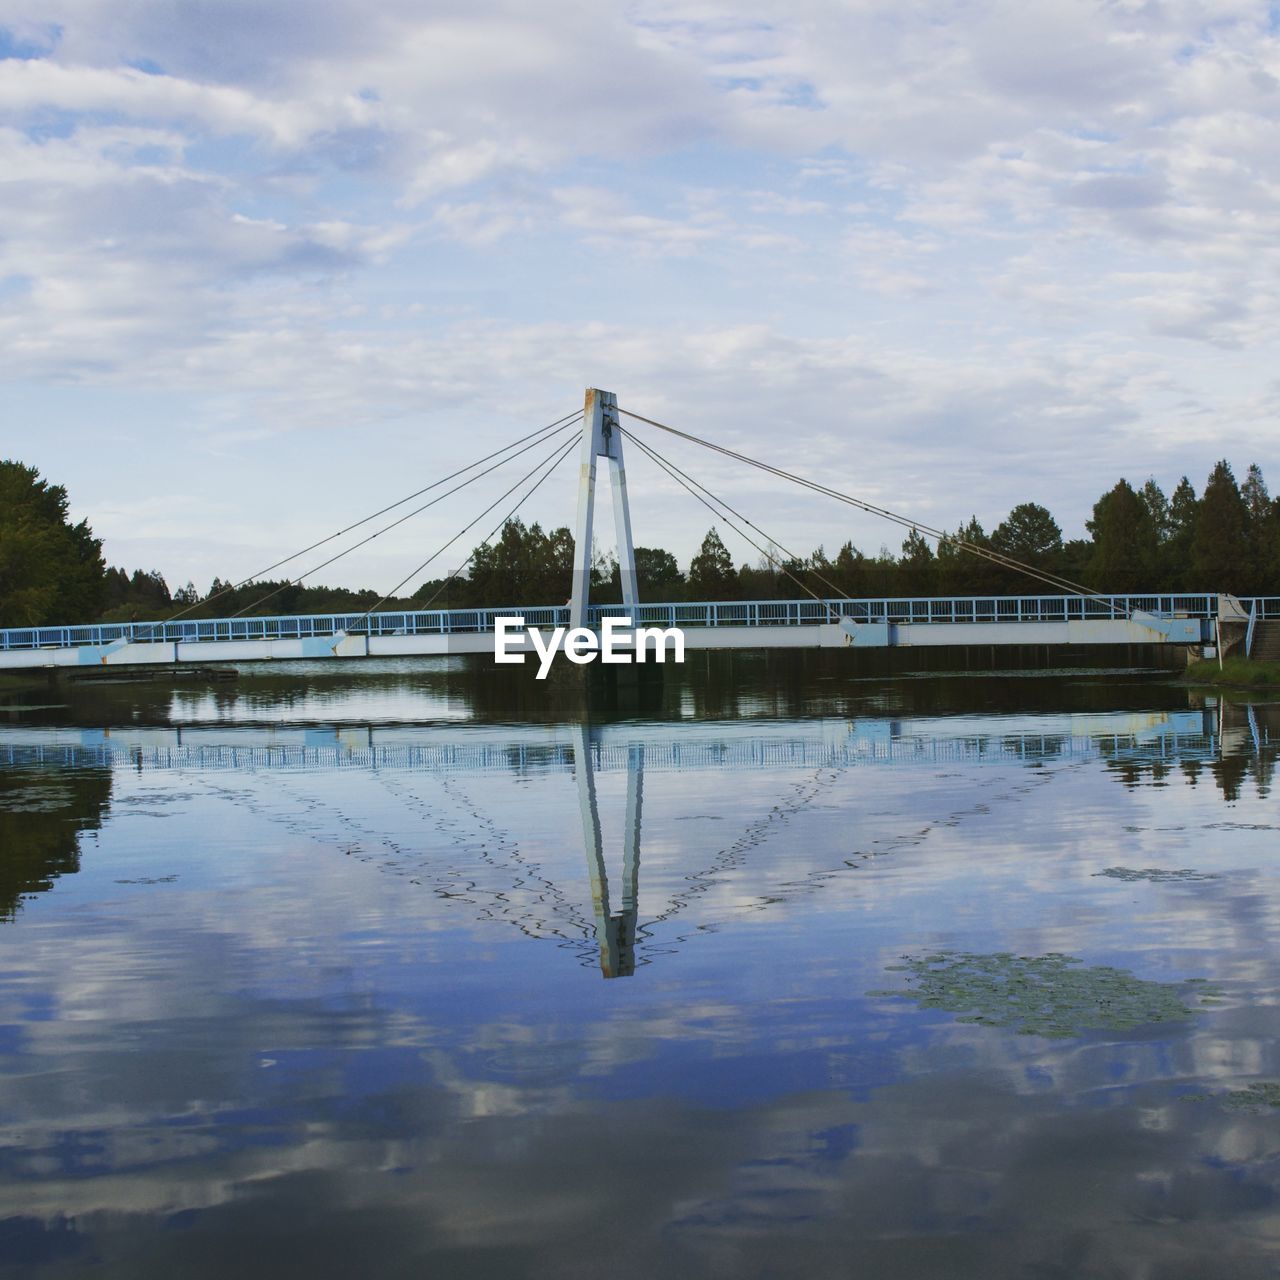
<point>601,437</point>
<point>616,934</point>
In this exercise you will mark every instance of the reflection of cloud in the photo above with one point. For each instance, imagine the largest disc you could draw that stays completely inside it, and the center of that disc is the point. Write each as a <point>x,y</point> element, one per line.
<point>816,1180</point>
<point>295,1052</point>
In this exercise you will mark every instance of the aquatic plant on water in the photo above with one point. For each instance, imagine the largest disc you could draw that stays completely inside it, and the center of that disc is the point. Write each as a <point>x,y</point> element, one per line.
<point>1052,995</point>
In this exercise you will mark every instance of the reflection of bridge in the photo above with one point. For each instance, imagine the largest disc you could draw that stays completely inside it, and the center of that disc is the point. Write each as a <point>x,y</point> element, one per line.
<point>615,931</point>
<point>825,620</point>
<point>1145,736</point>
<point>820,749</point>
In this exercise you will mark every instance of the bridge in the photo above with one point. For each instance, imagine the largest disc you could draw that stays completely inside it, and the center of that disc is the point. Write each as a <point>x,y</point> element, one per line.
<point>1071,614</point>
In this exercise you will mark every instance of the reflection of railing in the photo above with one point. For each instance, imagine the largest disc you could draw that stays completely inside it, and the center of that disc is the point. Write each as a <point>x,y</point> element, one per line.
<point>736,613</point>
<point>659,757</point>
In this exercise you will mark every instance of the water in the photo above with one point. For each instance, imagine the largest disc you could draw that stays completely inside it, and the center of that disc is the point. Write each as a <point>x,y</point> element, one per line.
<point>762,972</point>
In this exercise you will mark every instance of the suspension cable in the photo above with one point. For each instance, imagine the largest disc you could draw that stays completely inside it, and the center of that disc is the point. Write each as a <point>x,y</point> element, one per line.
<point>795,559</point>
<point>671,470</point>
<point>555,458</point>
<point>542,439</point>
<point>986,553</point>
<point>541,432</point>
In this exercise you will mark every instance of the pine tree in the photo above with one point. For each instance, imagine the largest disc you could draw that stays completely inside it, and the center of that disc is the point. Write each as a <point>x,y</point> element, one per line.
<point>848,570</point>
<point>1157,506</point>
<point>962,571</point>
<point>1257,503</point>
<point>917,565</point>
<point>1220,547</point>
<point>1174,565</point>
<point>1124,542</point>
<point>711,572</point>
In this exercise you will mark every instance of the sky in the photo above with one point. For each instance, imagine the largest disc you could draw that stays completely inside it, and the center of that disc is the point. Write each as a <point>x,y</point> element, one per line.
<point>268,266</point>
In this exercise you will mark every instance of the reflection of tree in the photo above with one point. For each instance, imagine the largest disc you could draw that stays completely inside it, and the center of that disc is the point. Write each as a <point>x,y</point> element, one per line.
<point>1249,735</point>
<point>42,813</point>
<point>1128,772</point>
<point>1229,773</point>
<point>728,685</point>
<point>1240,746</point>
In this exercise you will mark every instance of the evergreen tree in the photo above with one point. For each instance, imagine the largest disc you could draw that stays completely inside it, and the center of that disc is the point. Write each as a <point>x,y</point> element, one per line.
<point>883,578</point>
<point>916,567</point>
<point>1175,550</point>
<point>1031,536</point>
<point>1220,548</point>
<point>848,570</point>
<point>1271,559</point>
<point>965,572</point>
<point>115,589</point>
<point>1157,506</point>
<point>1124,542</point>
<point>1258,511</point>
<point>711,572</point>
<point>51,570</point>
<point>523,565</point>
<point>144,596</point>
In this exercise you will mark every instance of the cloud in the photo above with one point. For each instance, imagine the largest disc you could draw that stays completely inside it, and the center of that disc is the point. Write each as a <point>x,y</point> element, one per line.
<point>1006,222</point>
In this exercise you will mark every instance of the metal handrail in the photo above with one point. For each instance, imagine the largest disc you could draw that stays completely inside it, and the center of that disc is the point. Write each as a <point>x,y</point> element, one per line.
<point>1253,622</point>
<point>732,613</point>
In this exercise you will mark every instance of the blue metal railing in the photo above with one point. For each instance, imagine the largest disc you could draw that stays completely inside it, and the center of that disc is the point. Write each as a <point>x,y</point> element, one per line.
<point>732,613</point>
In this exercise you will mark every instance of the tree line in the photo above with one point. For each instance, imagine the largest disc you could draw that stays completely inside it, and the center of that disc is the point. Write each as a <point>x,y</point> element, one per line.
<point>1226,539</point>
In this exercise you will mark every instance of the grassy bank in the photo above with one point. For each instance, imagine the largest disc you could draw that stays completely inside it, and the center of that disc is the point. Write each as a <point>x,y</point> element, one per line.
<point>1236,673</point>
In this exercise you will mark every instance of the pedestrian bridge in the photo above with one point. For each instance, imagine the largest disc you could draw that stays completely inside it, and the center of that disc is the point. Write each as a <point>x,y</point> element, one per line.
<point>750,624</point>
<point>1072,615</point>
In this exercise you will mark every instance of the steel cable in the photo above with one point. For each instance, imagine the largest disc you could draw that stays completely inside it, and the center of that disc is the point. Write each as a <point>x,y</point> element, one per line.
<point>555,458</point>
<point>941,535</point>
<point>676,474</point>
<point>544,433</point>
<point>543,437</point>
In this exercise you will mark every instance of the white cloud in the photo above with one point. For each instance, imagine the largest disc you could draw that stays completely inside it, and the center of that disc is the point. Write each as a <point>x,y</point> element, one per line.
<point>971,224</point>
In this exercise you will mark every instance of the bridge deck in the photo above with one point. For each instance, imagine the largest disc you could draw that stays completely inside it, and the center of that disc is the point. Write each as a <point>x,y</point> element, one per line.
<point>950,620</point>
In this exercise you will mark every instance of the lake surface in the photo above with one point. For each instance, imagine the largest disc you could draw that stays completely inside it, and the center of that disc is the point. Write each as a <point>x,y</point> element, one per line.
<point>765,971</point>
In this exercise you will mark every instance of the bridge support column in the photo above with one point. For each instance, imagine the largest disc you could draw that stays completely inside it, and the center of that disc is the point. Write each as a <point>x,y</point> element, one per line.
<point>601,438</point>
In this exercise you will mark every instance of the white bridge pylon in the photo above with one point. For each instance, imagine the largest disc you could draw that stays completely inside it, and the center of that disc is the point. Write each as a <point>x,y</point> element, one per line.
<point>601,438</point>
